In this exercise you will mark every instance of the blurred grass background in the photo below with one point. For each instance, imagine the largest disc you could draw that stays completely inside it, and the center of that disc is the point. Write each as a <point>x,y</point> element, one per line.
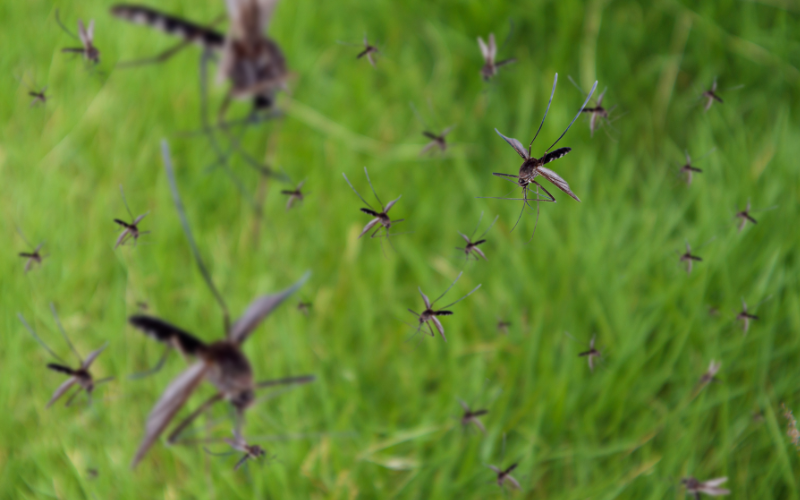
<point>382,419</point>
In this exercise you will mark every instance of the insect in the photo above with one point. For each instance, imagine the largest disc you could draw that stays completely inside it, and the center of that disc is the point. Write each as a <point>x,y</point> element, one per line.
<point>238,443</point>
<point>437,140</point>
<point>39,96</point>
<point>502,326</point>
<point>430,315</point>
<point>591,354</point>
<point>295,195</point>
<point>489,53</point>
<point>32,257</point>
<point>533,167</point>
<point>382,217</point>
<point>504,476</point>
<point>86,37</point>
<point>222,363</point>
<point>745,317</point>
<point>711,374</point>
<point>471,247</point>
<point>709,487</point>
<point>711,95</point>
<point>689,259</point>
<point>745,216</point>
<point>129,230</point>
<point>688,170</point>
<point>471,416</point>
<point>80,376</point>
<point>304,308</point>
<point>368,51</point>
<point>598,112</point>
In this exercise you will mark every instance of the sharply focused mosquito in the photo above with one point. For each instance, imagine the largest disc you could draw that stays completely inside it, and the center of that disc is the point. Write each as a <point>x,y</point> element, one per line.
<point>471,247</point>
<point>745,217</point>
<point>129,230</point>
<point>489,53</point>
<point>86,37</point>
<point>222,363</point>
<point>471,416</point>
<point>598,112</point>
<point>710,487</point>
<point>429,315</point>
<point>688,170</point>
<point>33,256</point>
<point>80,376</point>
<point>689,259</point>
<point>533,167</point>
<point>382,217</point>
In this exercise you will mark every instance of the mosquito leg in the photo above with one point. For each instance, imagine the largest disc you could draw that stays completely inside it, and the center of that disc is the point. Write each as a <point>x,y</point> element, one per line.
<point>158,58</point>
<point>75,394</point>
<point>173,437</point>
<point>154,369</point>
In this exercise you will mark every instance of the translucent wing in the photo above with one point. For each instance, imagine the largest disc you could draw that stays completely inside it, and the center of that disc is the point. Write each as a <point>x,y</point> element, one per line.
<point>492,47</point>
<point>61,390</point>
<point>168,405</point>
<point>600,97</point>
<point>82,34</point>
<point>265,10</point>
<point>391,204</point>
<point>369,226</point>
<point>718,481</point>
<point>138,219</point>
<point>90,32</point>
<point>513,482</point>
<point>259,309</point>
<point>121,238</point>
<point>425,299</point>
<point>465,237</point>
<point>92,356</point>
<point>557,181</point>
<point>439,327</point>
<point>484,49</point>
<point>518,147</point>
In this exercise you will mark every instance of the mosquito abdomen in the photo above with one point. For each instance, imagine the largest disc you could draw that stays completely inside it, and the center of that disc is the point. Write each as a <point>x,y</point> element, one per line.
<point>169,24</point>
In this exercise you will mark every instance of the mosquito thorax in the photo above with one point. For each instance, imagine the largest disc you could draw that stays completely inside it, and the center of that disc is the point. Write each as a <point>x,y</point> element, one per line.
<point>243,399</point>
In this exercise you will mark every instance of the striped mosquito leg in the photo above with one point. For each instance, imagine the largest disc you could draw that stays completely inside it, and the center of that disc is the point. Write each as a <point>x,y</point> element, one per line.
<point>171,25</point>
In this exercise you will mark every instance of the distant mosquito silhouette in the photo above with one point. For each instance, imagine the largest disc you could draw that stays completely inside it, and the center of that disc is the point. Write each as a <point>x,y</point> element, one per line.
<point>129,230</point>
<point>295,195</point>
<point>502,326</point>
<point>711,95</point>
<point>32,257</point>
<point>368,51</point>
<point>745,317</point>
<point>429,315</point>
<point>709,487</point>
<point>504,476</point>
<point>596,113</point>
<point>39,96</point>
<point>533,167</point>
<point>80,376</point>
<point>689,259</point>
<point>745,216</point>
<point>471,416</point>
<point>591,354</point>
<point>437,140</point>
<point>688,170</point>
<point>711,374</point>
<point>86,37</point>
<point>238,443</point>
<point>304,308</point>
<point>471,247</point>
<point>382,217</point>
<point>489,53</point>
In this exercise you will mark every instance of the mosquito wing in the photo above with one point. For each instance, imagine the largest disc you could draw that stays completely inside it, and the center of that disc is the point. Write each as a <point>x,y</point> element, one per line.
<point>62,389</point>
<point>391,204</point>
<point>168,405</point>
<point>92,356</point>
<point>121,238</point>
<point>259,309</point>
<point>369,226</point>
<point>492,47</point>
<point>513,482</point>
<point>249,17</point>
<point>715,482</point>
<point>169,334</point>
<point>600,97</point>
<point>557,181</point>
<point>439,327</point>
<point>138,219</point>
<point>478,424</point>
<point>425,299</point>
<point>83,34</point>
<point>484,49</point>
<point>514,143</point>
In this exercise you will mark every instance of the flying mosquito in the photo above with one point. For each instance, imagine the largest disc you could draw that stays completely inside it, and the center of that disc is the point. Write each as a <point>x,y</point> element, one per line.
<point>80,376</point>
<point>711,374</point>
<point>437,140</point>
<point>533,167</point>
<point>382,217</point>
<point>489,53</point>
<point>368,51</point>
<point>304,308</point>
<point>295,195</point>
<point>129,230</point>
<point>502,326</point>
<point>745,317</point>
<point>222,363</point>
<point>32,257</point>
<point>471,247</point>
<point>745,216</point>
<point>709,487</point>
<point>711,95</point>
<point>471,416</point>
<point>39,96</point>
<point>238,443</point>
<point>251,61</point>
<point>86,37</point>
<point>591,354</point>
<point>689,259</point>
<point>688,170</point>
<point>429,315</point>
<point>598,112</point>
<point>504,476</point>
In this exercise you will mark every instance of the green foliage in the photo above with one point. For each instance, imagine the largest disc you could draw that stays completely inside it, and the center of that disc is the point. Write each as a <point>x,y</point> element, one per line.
<point>382,419</point>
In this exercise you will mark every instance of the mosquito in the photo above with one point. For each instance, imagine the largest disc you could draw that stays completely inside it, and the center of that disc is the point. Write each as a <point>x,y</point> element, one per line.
<point>533,167</point>
<point>80,376</point>
<point>368,51</point>
<point>745,317</point>
<point>429,315</point>
<point>129,230</point>
<point>86,37</point>
<point>709,487</point>
<point>711,95</point>
<point>32,257</point>
<point>238,443</point>
<point>222,363</point>
<point>689,259</point>
<point>591,354</point>
<point>502,326</point>
<point>598,112</point>
<point>382,217</point>
<point>711,374</point>
<point>295,195</point>
<point>437,140</point>
<point>471,247</point>
<point>504,476</point>
<point>489,53</point>
<point>745,216</point>
<point>304,308</point>
<point>471,416</point>
<point>688,170</point>
<point>39,96</point>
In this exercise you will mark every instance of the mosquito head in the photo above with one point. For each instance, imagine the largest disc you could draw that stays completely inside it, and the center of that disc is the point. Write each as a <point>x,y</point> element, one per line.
<point>243,399</point>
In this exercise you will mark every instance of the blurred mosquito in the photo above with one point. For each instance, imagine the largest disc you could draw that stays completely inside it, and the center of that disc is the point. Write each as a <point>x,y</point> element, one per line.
<point>745,216</point>
<point>710,487</point>
<point>489,53</point>
<point>32,257</point>
<point>368,51</point>
<point>80,376</point>
<point>39,96</point>
<point>598,112</point>
<point>437,140</point>
<point>304,308</point>
<point>710,96</point>
<point>711,374</point>
<point>86,37</point>
<point>745,317</point>
<point>382,217</point>
<point>471,416</point>
<point>590,354</point>
<point>533,167</point>
<point>471,247</point>
<point>688,170</point>
<point>222,363</point>
<point>689,259</point>
<point>129,230</point>
<point>295,195</point>
<point>429,315</point>
<point>504,476</point>
<point>502,326</point>
<point>238,443</point>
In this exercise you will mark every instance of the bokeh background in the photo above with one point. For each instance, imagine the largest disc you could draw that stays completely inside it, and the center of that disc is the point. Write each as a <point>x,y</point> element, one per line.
<point>382,419</point>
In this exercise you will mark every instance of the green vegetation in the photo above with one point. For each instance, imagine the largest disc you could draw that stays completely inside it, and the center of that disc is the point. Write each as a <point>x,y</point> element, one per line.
<point>381,421</point>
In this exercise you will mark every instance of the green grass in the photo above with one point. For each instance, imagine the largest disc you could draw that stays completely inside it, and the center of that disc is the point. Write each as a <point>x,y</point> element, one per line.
<point>380,421</point>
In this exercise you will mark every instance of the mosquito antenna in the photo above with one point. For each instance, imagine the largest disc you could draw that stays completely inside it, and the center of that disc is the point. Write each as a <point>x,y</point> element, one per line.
<point>417,115</point>
<point>524,200</point>
<point>122,192</point>
<point>488,228</point>
<point>576,116</point>
<point>68,32</point>
<point>373,189</point>
<point>510,33</point>
<point>462,298</point>
<point>176,197</point>
<point>39,340</point>
<point>555,81</point>
<point>22,235</point>
<point>63,332</point>
<point>476,227</point>
<point>575,85</point>
<point>354,190</point>
<point>536,224</point>
<point>709,152</point>
<point>448,288</point>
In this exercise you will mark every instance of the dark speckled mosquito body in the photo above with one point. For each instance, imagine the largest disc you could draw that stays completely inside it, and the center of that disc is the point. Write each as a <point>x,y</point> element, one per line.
<point>471,416</point>
<point>430,315</point>
<point>86,37</point>
<point>471,248</point>
<point>711,374</point>
<point>304,308</point>
<point>39,96</point>
<point>381,217</point>
<point>502,326</point>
